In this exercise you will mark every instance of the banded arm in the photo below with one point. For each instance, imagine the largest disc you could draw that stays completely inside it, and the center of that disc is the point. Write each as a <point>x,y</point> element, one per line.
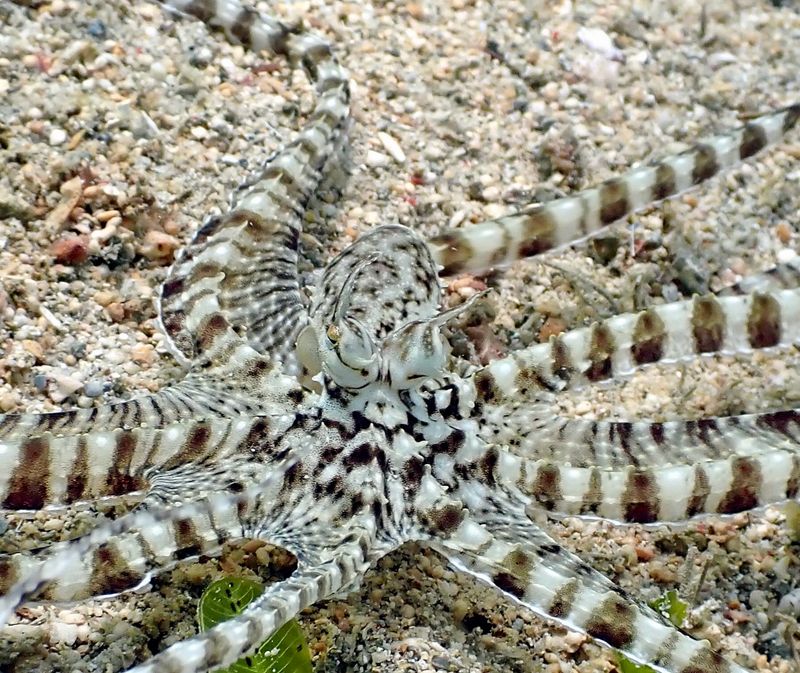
<point>152,543</point>
<point>648,472</point>
<point>533,570</point>
<point>618,346</point>
<point>72,456</point>
<point>116,554</point>
<point>246,384</point>
<point>177,462</point>
<point>538,229</point>
<point>239,274</point>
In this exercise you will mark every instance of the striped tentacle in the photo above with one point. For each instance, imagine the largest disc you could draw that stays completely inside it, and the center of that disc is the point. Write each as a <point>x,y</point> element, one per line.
<point>239,278</point>
<point>241,269</point>
<point>156,544</point>
<point>237,637</point>
<point>644,471</point>
<point>618,346</point>
<point>533,570</point>
<point>71,456</point>
<point>649,472</point>
<point>541,228</point>
<point>251,384</point>
<point>48,468</point>
<point>140,541</point>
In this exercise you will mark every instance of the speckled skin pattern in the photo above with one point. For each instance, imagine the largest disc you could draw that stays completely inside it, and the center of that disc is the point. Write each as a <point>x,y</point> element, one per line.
<point>343,427</point>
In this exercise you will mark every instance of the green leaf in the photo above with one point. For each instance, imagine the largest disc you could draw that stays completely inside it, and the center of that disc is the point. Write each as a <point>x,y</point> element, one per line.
<point>285,651</point>
<point>627,666</point>
<point>671,606</point>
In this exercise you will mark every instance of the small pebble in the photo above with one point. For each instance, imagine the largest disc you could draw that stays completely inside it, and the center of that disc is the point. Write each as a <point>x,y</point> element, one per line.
<point>40,382</point>
<point>661,573</point>
<point>8,401</point>
<point>719,59</point>
<point>416,10</point>
<point>551,327</point>
<point>159,246</point>
<point>116,356</point>
<point>63,385</point>
<point>599,41</point>
<point>93,388</point>
<point>116,311</point>
<point>784,232</point>
<point>34,348</point>
<point>105,297</point>
<point>53,524</point>
<point>97,29</point>
<point>57,136</point>
<point>380,657</point>
<point>392,147</point>
<point>460,609</point>
<point>106,215</point>
<point>376,159</point>
<point>143,353</point>
<point>440,663</point>
<point>70,250</point>
<point>790,603</point>
<point>84,633</point>
<point>63,633</point>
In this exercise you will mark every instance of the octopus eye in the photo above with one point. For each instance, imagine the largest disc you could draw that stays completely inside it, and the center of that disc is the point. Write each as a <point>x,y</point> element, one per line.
<point>333,333</point>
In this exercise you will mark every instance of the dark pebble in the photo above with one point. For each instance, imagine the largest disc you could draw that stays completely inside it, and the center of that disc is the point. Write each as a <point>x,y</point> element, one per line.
<point>78,349</point>
<point>440,663</point>
<point>97,29</point>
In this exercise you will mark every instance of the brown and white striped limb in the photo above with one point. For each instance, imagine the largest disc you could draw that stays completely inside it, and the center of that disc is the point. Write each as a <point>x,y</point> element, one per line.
<point>238,277</point>
<point>69,457</point>
<point>117,554</point>
<point>650,472</point>
<point>152,543</point>
<point>533,570</point>
<point>201,395</point>
<point>670,333</point>
<point>538,229</point>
